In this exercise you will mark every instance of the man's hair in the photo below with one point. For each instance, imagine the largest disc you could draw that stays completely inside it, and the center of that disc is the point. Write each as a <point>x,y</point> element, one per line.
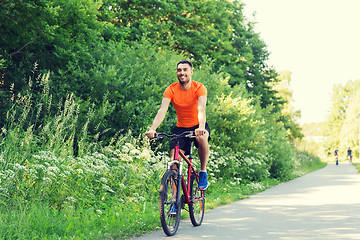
<point>184,62</point>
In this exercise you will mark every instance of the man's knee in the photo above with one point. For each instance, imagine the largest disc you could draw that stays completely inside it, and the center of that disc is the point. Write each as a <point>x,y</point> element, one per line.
<point>203,140</point>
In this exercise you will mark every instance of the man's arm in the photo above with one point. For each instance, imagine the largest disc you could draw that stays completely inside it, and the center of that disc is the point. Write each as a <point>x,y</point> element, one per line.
<point>201,115</point>
<point>159,118</point>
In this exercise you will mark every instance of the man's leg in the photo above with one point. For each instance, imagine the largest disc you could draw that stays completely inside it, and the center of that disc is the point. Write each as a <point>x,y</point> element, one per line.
<point>203,151</point>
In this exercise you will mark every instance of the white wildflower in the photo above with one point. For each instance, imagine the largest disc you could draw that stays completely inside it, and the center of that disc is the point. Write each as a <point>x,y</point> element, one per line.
<point>129,145</point>
<point>145,154</point>
<point>125,149</point>
<point>126,158</point>
<point>70,199</point>
<point>19,167</point>
<point>134,152</point>
<point>107,188</point>
<point>103,179</point>
<point>52,174</point>
<point>47,181</point>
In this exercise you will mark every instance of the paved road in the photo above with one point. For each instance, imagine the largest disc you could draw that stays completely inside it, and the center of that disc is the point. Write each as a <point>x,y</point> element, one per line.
<point>321,205</point>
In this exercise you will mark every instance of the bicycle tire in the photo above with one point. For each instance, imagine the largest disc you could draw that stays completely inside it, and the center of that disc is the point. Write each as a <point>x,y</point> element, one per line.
<point>168,189</point>
<point>197,202</point>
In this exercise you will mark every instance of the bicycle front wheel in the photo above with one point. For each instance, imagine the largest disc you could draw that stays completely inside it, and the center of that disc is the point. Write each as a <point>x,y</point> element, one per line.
<point>197,202</point>
<point>170,207</point>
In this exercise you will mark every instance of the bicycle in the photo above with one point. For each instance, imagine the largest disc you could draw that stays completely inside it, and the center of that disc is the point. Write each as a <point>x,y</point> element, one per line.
<point>337,159</point>
<point>171,202</point>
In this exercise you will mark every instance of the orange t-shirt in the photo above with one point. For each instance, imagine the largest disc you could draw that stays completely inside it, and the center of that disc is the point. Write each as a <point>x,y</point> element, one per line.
<point>185,102</point>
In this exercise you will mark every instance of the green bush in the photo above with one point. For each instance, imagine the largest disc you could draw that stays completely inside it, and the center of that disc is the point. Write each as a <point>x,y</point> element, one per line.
<point>238,167</point>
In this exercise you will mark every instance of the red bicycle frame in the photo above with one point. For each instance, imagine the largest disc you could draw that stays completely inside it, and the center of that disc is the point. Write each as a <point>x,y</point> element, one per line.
<point>191,169</point>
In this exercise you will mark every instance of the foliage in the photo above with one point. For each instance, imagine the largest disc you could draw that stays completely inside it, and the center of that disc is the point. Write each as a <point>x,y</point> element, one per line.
<point>357,166</point>
<point>95,49</point>
<point>237,167</point>
<point>278,146</point>
<point>4,95</point>
<point>49,33</point>
<point>39,172</point>
<point>289,114</point>
<point>342,126</point>
<point>131,77</point>
<point>201,29</point>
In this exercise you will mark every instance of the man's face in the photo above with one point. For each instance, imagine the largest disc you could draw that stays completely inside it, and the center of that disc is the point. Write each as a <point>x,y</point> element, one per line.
<point>184,73</point>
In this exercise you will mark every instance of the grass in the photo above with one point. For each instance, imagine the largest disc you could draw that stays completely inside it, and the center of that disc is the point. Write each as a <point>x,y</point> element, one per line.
<point>120,221</point>
<point>357,166</point>
<point>133,219</point>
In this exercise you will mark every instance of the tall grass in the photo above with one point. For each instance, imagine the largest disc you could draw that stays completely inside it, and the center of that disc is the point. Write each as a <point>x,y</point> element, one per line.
<point>89,196</point>
<point>30,128</point>
<point>46,192</point>
<point>305,163</point>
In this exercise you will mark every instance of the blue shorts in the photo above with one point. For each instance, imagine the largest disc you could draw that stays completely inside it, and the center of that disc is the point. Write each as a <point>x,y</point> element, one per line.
<point>184,143</point>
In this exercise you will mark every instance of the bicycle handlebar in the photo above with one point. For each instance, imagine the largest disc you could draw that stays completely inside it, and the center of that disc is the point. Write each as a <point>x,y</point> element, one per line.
<point>187,134</point>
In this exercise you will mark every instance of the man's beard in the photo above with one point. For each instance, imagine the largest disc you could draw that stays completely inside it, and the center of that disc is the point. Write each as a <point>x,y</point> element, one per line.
<point>183,81</point>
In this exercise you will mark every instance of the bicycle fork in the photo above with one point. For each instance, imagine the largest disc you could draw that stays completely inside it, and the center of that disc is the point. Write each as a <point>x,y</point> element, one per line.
<point>176,194</point>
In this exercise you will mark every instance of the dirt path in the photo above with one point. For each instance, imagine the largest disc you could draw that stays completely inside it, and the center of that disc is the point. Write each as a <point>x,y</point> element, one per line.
<point>321,205</point>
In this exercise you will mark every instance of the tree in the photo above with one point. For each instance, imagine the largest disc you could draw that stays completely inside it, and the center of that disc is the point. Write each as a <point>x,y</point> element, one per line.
<point>289,116</point>
<point>342,121</point>
<point>49,34</point>
<point>201,29</point>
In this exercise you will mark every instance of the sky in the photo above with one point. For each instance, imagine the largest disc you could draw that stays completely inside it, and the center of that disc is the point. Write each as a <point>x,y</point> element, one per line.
<point>318,41</point>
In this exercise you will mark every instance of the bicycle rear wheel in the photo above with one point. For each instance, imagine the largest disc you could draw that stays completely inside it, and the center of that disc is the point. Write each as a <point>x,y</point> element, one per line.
<point>170,208</point>
<point>197,202</point>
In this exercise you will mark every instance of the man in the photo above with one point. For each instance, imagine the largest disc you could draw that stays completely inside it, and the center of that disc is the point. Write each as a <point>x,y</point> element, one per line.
<point>189,100</point>
<point>337,156</point>
<point>349,153</point>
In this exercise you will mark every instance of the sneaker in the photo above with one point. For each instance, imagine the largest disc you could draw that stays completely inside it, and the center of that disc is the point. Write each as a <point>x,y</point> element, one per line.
<point>203,183</point>
<point>172,210</point>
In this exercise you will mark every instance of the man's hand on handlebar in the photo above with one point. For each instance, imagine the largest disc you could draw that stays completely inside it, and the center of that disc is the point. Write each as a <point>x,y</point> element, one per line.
<point>151,134</point>
<point>199,132</point>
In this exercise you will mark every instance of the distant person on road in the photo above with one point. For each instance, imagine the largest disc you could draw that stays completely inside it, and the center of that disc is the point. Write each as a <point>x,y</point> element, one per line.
<point>337,156</point>
<point>349,154</point>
